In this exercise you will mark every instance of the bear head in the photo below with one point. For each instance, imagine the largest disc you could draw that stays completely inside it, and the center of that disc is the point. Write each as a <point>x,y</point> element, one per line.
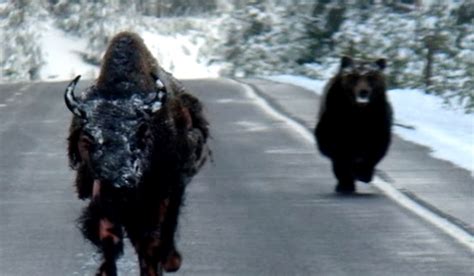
<point>362,81</point>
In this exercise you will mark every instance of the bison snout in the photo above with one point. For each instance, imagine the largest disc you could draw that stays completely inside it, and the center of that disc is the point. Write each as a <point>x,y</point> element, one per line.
<point>127,180</point>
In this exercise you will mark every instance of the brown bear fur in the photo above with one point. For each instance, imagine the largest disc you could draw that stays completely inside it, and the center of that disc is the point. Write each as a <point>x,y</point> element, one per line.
<point>355,119</point>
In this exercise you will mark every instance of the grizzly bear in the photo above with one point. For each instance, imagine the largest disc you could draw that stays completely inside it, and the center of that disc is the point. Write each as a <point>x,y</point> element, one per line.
<point>355,120</point>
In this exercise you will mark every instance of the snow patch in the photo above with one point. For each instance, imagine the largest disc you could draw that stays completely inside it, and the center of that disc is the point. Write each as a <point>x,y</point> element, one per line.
<point>178,54</point>
<point>448,132</point>
<point>61,56</point>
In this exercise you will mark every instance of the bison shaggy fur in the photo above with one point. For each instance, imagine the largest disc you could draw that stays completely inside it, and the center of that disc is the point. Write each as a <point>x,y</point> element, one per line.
<point>136,139</point>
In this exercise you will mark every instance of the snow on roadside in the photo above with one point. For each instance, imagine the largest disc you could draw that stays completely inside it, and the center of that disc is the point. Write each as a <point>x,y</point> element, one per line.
<point>61,56</point>
<point>177,54</point>
<point>448,132</point>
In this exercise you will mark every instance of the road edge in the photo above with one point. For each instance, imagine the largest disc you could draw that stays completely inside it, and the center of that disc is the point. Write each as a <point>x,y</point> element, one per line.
<point>451,229</point>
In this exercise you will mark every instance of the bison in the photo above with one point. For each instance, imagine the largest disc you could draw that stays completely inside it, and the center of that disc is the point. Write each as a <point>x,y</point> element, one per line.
<point>136,139</point>
<point>355,120</point>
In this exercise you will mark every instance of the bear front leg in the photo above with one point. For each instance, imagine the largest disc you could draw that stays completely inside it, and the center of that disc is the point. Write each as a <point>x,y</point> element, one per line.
<point>345,179</point>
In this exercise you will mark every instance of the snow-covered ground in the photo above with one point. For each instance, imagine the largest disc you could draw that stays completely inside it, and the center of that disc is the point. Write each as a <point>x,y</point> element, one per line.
<point>447,131</point>
<point>177,54</point>
<point>61,56</point>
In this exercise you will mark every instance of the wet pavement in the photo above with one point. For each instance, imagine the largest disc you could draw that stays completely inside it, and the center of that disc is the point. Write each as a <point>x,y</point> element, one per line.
<point>266,205</point>
<point>436,184</point>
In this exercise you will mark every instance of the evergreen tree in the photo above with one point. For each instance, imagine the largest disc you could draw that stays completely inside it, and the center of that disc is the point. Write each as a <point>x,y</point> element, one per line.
<point>97,20</point>
<point>21,57</point>
<point>260,39</point>
<point>325,20</point>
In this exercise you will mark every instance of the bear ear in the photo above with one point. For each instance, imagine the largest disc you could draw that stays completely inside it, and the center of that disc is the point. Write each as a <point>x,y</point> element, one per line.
<point>346,62</point>
<point>381,63</point>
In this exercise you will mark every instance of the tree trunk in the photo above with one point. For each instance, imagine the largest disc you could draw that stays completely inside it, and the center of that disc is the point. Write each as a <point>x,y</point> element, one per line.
<point>429,64</point>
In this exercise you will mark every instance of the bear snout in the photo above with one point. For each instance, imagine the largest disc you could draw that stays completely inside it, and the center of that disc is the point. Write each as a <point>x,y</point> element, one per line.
<point>363,96</point>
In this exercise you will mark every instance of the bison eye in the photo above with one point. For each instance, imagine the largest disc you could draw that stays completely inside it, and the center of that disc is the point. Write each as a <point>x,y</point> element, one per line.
<point>84,146</point>
<point>86,141</point>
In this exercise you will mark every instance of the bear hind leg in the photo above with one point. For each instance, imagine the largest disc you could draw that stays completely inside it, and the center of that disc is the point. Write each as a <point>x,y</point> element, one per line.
<point>364,171</point>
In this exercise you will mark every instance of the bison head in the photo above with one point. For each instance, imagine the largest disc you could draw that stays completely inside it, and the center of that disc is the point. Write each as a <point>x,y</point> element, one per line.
<point>364,81</point>
<point>116,139</point>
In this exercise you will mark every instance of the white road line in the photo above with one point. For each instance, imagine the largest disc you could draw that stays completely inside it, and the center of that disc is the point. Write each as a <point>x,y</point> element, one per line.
<point>24,88</point>
<point>450,228</point>
<point>13,97</point>
<point>386,188</point>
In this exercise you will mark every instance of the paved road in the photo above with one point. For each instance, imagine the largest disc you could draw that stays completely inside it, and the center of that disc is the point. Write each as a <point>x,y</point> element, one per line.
<point>439,185</point>
<point>265,207</point>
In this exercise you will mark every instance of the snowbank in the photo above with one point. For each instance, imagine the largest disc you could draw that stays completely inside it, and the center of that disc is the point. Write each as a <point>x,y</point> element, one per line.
<point>177,54</point>
<point>61,56</point>
<point>448,132</point>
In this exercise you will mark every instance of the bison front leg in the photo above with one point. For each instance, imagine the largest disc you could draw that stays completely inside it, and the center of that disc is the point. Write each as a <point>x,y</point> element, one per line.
<point>154,243</point>
<point>146,240</point>
<point>170,257</point>
<point>148,257</point>
<point>100,226</point>
<point>111,245</point>
<point>145,234</point>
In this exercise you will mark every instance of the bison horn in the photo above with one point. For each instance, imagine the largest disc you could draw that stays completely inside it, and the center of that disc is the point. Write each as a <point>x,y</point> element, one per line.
<point>71,102</point>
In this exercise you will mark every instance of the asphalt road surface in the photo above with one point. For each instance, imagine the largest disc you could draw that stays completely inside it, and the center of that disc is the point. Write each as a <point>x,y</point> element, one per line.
<point>266,205</point>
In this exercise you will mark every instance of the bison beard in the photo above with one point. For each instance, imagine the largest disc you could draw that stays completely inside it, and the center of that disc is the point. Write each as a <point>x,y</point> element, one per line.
<point>136,139</point>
